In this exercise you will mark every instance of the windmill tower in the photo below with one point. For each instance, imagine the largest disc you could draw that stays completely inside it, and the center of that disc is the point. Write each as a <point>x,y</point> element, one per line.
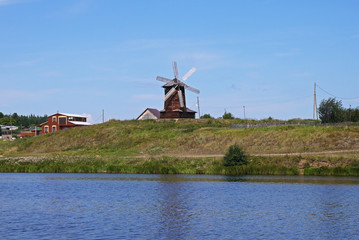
<point>175,98</point>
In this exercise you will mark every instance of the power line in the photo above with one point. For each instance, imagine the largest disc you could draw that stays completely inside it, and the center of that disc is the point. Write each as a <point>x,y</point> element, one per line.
<point>335,95</point>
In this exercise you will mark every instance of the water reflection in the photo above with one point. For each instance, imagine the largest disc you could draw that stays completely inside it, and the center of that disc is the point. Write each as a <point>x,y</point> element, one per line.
<point>130,206</point>
<point>209,178</point>
<point>174,210</point>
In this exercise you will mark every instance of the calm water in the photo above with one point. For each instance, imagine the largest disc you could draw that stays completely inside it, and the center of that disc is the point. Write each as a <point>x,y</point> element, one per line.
<point>96,206</point>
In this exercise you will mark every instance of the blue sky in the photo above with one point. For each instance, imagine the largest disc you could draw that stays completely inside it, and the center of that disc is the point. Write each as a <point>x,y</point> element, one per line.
<point>78,56</point>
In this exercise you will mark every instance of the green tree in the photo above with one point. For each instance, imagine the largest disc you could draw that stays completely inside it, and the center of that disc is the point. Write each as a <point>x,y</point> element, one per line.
<point>206,116</point>
<point>227,115</point>
<point>354,115</point>
<point>235,156</point>
<point>331,111</point>
<point>5,120</point>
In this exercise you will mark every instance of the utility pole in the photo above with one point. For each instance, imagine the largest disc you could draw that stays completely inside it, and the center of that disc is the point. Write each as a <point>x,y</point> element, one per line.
<point>103,115</point>
<point>315,109</point>
<point>199,113</point>
<point>244,112</point>
<point>11,125</point>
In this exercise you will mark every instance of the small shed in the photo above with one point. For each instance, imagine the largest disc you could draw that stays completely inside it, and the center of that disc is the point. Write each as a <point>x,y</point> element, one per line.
<point>149,113</point>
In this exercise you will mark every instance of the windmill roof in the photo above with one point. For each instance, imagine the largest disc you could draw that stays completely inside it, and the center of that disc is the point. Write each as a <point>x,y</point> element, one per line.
<point>170,83</point>
<point>179,110</point>
<point>190,110</point>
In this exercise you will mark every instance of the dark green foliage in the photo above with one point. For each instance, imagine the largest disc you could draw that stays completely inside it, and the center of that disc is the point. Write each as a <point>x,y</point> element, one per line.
<point>260,170</point>
<point>206,116</point>
<point>21,121</point>
<point>352,114</point>
<point>235,156</point>
<point>331,111</point>
<point>227,115</point>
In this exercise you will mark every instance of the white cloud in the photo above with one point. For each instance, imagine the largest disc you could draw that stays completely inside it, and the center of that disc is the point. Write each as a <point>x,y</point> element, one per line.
<point>5,2</point>
<point>141,44</point>
<point>8,2</point>
<point>289,53</point>
<point>253,74</point>
<point>303,74</point>
<point>143,97</point>
<point>202,60</point>
<point>23,63</point>
<point>79,7</point>
<point>51,74</point>
<point>9,97</point>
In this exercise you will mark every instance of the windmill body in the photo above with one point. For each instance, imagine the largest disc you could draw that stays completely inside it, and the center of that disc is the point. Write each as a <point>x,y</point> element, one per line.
<point>175,98</point>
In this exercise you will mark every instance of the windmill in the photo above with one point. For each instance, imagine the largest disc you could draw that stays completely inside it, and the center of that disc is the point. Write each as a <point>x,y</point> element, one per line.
<point>175,100</point>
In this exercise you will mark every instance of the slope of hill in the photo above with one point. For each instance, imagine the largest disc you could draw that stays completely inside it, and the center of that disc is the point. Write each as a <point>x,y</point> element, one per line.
<point>194,139</point>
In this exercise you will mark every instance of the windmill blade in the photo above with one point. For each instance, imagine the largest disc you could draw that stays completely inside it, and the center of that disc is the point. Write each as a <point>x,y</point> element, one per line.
<point>188,74</point>
<point>180,96</point>
<point>162,79</point>
<point>190,88</point>
<point>169,94</point>
<point>175,70</point>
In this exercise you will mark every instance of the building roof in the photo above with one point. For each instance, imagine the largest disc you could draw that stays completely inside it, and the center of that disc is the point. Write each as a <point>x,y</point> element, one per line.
<point>154,111</point>
<point>4,127</point>
<point>70,115</point>
<point>80,123</point>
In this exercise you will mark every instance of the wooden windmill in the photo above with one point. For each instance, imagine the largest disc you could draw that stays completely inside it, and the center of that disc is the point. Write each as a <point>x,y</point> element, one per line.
<point>175,98</point>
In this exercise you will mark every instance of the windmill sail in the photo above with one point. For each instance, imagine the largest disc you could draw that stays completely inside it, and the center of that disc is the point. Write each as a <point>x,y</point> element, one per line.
<point>180,96</point>
<point>175,70</point>
<point>162,79</point>
<point>169,93</point>
<point>190,88</point>
<point>188,74</point>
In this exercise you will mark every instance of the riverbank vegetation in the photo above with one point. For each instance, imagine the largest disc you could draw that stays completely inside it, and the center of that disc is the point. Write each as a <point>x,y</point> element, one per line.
<point>187,146</point>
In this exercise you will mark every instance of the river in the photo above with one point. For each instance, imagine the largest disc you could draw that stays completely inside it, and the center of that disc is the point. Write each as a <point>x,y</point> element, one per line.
<point>130,206</point>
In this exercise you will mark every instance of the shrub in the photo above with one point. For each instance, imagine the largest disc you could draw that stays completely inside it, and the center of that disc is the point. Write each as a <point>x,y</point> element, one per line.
<point>235,156</point>
<point>227,115</point>
<point>206,116</point>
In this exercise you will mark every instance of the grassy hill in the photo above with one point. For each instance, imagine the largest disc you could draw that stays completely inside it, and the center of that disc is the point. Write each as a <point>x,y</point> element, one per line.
<point>204,141</point>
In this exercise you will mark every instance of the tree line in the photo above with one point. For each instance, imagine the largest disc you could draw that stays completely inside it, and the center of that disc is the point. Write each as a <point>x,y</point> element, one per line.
<point>21,121</point>
<point>332,111</point>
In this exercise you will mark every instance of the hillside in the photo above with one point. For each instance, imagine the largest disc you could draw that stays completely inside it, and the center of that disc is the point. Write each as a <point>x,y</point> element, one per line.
<point>287,145</point>
<point>187,137</point>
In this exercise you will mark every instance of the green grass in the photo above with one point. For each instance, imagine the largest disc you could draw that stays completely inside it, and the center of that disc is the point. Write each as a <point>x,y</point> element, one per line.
<point>332,171</point>
<point>163,165</point>
<point>188,136</point>
<point>166,165</point>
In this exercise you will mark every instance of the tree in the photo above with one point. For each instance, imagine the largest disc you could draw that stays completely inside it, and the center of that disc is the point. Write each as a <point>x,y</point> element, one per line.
<point>235,156</point>
<point>354,115</point>
<point>227,115</point>
<point>331,111</point>
<point>206,116</point>
<point>5,120</point>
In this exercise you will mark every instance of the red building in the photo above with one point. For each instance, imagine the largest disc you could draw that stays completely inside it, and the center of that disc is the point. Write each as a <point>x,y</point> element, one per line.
<point>33,131</point>
<point>60,121</point>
